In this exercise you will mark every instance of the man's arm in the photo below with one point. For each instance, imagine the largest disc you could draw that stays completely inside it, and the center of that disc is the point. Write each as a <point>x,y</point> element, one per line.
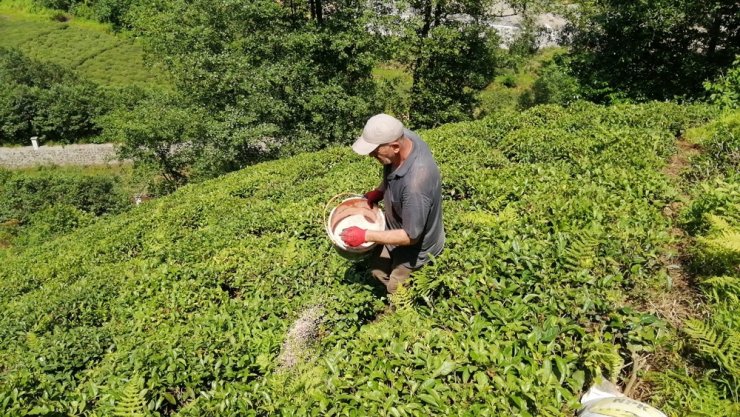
<point>396,237</point>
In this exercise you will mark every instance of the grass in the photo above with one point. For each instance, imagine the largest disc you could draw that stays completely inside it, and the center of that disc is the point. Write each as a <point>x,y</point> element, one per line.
<point>393,71</point>
<point>85,46</point>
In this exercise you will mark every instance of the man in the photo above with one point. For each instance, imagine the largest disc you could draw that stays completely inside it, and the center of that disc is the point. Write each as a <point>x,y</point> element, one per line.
<point>412,194</point>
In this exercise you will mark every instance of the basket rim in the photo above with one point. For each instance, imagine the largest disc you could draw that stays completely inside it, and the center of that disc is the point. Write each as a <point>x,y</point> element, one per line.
<point>340,245</point>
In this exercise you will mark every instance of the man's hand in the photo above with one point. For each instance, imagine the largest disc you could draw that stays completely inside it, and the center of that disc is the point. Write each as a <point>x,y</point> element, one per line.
<point>373,197</point>
<point>353,236</point>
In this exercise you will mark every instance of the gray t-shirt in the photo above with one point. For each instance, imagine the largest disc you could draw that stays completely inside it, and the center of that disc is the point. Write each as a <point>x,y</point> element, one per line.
<point>413,202</point>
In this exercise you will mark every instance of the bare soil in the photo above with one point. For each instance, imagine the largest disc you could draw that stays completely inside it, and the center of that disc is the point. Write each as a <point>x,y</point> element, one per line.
<point>679,300</point>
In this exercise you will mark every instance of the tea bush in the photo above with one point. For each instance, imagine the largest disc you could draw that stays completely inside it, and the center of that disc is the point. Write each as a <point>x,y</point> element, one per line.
<point>181,306</point>
<point>101,57</point>
<point>38,205</point>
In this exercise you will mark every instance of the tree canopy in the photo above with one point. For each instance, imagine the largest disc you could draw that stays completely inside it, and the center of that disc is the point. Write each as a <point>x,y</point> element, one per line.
<point>654,49</point>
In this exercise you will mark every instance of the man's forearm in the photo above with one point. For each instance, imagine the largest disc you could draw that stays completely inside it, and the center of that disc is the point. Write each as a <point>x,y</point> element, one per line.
<point>396,237</point>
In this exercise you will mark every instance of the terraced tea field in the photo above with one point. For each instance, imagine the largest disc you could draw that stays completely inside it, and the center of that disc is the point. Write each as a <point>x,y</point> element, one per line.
<point>556,234</point>
<point>84,47</point>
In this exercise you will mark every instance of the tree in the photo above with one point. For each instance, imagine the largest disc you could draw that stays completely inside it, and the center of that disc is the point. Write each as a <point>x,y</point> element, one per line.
<point>43,99</point>
<point>273,72</point>
<point>450,51</point>
<point>653,49</point>
<point>162,132</point>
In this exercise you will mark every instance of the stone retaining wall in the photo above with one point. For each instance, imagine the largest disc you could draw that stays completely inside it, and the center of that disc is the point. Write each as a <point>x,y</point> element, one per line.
<point>27,156</point>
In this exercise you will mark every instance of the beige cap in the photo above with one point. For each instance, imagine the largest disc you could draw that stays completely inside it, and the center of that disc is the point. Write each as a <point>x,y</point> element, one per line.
<point>379,129</point>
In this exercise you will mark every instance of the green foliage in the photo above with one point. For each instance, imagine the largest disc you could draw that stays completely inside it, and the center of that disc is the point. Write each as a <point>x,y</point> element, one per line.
<point>114,12</point>
<point>725,91</point>
<point>402,299</point>
<point>554,85</point>
<point>720,287</point>
<point>45,100</point>
<point>682,394</point>
<point>509,81</point>
<point>582,252</point>
<point>52,221</point>
<point>512,88</point>
<point>160,131</point>
<point>195,292</point>
<point>720,143</point>
<point>23,193</point>
<point>36,206</point>
<point>131,404</point>
<point>716,197</point>
<point>450,59</point>
<point>453,64</point>
<point>267,73</point>
<point>721,348</point>
<point>709,384</point>
<point>603,359</point>
<point>653,50</point>
<point>718,251</point>
<point>91,51</point>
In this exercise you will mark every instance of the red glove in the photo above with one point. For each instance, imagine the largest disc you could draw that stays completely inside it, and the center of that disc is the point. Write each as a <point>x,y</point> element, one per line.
<point>373,197</point>
<point>353,236</point>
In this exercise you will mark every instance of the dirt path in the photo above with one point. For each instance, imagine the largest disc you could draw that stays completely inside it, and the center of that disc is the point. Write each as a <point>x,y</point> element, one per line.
<point>679,301</point>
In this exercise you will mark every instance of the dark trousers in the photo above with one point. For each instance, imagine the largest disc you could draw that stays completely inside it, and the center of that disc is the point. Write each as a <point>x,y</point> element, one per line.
<point>390,273</point>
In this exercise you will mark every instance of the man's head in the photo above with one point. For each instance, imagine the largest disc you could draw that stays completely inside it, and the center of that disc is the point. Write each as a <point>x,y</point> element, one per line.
<point>381,131</point>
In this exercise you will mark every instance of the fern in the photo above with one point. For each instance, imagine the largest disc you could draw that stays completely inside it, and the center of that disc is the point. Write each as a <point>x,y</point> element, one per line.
<point>428,282</point>
<point>720,348</point>
<point>132,403</point>
<point>402,299</point>
<point>719,255</point>
<point>682,394</point>
<point>582,251</point>
<point>722,288</point>
<point>603,359</point>
<point>718,252</point>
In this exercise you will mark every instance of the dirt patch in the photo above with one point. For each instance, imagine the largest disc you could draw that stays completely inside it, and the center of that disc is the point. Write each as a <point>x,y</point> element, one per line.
<point>680,160</point>
<point>679,300</point>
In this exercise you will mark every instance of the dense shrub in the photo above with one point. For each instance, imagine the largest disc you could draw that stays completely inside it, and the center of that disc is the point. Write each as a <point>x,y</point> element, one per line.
<point>554,85</point>
<point>39,205</point>
<point>24,193</point>
<point>106,11</point>
<point>46,100</point>
<point>653,50</point>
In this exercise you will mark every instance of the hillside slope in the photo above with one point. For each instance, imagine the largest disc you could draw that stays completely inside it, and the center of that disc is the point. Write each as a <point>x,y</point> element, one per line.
<point>181,306</point>
<point>99,56</point>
